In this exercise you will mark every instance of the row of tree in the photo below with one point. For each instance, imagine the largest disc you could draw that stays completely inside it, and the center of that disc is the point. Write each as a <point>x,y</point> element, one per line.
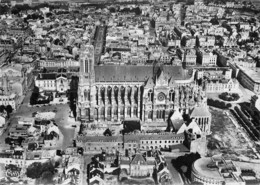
<point>218,104</point>
<point>253,114</point>
<point>25,7</point>
<point>73,94</point>
<point>248,125</point>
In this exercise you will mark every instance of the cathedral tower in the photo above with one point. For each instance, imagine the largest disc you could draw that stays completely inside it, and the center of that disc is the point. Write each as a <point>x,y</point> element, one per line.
<point>86,90</point>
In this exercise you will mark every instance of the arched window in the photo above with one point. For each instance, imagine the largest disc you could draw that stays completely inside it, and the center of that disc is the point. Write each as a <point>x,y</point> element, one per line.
<point>109,114</point>
<point>150,95</point>
<point>102,93</point>
<point>122,90</point>
<point>96,95</point>
<point>102,112</point>
<point>163,114</point>
<point>135,111</point>
<point>115,113</point>
<point>122,111</point>
<point>86,66</point>
<point>85,95</point>
<point>96,114</point>
<point>171,95</point>
<point>87,113</point>
<point>160,114</point>
<point>82,65</point>
<point>88,95</point>
<point>150,115</point>
<point>116,94</point>
<point>128,111</point>
<point>129,93</point>
<point>136,95</point>
<point>109,94</point>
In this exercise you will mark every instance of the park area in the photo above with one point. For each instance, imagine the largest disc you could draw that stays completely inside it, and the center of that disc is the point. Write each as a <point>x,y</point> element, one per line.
<point>225,137</point>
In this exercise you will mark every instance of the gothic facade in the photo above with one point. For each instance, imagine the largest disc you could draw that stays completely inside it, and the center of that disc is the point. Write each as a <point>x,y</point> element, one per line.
<point>113,93</point>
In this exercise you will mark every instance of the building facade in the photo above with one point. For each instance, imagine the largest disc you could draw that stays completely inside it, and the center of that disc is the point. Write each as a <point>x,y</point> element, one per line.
<point>55,82</point>
<point>206,58</point>
<point>216,171</point>
<point>147,93</point>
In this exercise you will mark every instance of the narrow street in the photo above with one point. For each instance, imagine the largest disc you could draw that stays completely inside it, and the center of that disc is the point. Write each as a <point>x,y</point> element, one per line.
<point>174,173</point>
<point>99,42</point>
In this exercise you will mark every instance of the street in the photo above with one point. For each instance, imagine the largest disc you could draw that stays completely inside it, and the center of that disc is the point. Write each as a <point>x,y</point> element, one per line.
<point>174,173</point>
<point>99,43</point>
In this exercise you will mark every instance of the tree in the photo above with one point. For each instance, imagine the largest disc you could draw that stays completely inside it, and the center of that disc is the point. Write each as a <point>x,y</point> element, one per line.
<point>112,9</point>
<point>186,160</point>
<point>9,109</point>
<point>2,108</point>
<point>37,170</point>
<point>214,21</point>
<point>47,177</point>
<point>44,70</point>
<point>20,140</point>
<point>35,95</point>
<point>49,14</point>
<point>8,140</point>
<point>34,170</point>
<point>4,9</point>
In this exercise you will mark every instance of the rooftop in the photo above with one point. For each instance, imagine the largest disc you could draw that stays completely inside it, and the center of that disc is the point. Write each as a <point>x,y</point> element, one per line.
<point>201,166</point>
<point>135,73</point>
<point>253,73</point>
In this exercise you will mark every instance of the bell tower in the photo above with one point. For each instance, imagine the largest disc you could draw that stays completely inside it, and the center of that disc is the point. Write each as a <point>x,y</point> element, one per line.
<point>87,59</point>
<point>86,88</point>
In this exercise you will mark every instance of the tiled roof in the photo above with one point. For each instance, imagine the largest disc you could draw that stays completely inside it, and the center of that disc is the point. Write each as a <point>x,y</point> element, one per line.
<point>46,76</point>
<point>202,111</point>
<point>138,158</point>
<point>135,73</point>
<point>136,138</point>
<point>53,76</point>
<point>100,138</point>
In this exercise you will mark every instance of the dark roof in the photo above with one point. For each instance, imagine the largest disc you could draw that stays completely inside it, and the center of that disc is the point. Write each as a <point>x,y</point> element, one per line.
<point>253,182</point>
<point>95,165</point>
<point>48,137</point>
<point>53,76</point>
<point>138,158</point>
<point>18,153</point>
<point>46,76</point>
<point>135,73</point>
<point>62,75</point>
<point>179,147</point>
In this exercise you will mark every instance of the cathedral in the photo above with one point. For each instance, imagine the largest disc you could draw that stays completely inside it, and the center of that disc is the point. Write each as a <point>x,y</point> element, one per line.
<point>114,93</point>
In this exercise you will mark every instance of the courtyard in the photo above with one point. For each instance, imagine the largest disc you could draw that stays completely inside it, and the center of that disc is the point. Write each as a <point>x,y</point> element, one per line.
<point>226,138</point>
<point>245,95</point>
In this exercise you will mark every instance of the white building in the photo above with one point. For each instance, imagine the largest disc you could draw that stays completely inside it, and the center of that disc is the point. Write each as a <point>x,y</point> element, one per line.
<point>52,82</point>
<point>206,57</point>
<point>9,100</point>
<point>26,121</point>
